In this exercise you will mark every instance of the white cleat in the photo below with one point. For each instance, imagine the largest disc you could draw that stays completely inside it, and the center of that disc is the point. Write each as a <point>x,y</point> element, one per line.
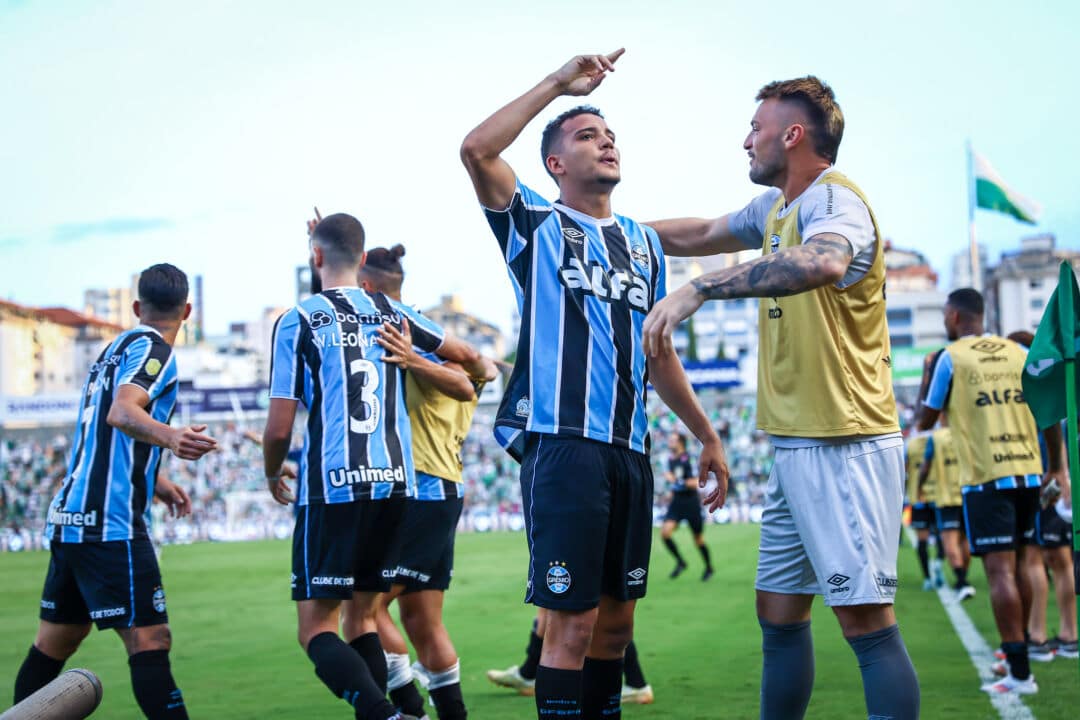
<point>640,696</point>
<point>511,678</point>
<point>965,593</point>
<point>1009,684</point>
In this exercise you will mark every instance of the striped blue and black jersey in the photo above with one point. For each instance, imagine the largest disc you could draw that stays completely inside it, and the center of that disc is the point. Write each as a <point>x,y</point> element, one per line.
<point>110,479</point>
<point>358,445</point>
<point>584,286</point>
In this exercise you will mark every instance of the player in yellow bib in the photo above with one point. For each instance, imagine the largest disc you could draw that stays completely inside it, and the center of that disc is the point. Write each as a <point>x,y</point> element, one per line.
<point>835,494</point>
<point>977,381</point>
<point>922,508</point>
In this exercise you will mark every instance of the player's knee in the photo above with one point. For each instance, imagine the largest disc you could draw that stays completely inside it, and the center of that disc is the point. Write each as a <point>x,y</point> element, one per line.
<point>571,630</point>
<point>60,642</point>
<point>612,638</point>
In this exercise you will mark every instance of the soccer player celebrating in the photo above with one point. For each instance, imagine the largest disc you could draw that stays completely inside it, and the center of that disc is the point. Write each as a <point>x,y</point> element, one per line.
<point>685,505</point>
<point>574,409</point>
<point>356,469</point>
<point>977,381</point>
<point>440,416</point>
<point>102,567</point>
<point>835,494</point>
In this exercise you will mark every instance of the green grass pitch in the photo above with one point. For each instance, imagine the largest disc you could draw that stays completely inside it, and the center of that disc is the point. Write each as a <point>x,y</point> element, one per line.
<point>235,653</point>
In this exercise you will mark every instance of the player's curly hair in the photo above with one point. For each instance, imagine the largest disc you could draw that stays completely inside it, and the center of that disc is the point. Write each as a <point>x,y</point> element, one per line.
<point>817,100</point>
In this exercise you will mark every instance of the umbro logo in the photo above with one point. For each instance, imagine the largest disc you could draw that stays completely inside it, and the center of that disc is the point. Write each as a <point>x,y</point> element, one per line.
<point>837,579</point>
<point>573,235</point>
<point>988,346</point>
<point>637,573</point>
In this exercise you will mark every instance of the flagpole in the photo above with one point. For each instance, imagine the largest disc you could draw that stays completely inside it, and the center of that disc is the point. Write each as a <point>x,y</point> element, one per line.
<point>1068,326</point>
<point>973,249</point>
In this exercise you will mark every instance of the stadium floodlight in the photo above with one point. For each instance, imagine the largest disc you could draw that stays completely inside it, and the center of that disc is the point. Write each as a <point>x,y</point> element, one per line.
<point>72,696</point>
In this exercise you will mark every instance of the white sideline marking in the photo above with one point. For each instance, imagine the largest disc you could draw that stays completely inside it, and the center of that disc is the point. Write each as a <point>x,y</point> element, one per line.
<point>1008,705</point>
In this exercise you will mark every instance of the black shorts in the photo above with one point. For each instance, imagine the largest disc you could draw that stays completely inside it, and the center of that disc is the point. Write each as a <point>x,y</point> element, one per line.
<point>922,516</point>
<point>588,519</point>
<point>1000,520</point>
<point>1051,530</point>
<point>427,549</point>
<point>115,584</point>
<point>950,517</point>
<point>343,548</point>
<point>687,506</point>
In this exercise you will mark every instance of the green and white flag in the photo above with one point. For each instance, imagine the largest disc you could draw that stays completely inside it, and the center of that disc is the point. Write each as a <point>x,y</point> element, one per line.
<point>992,193</point>
<point>1056,340</point>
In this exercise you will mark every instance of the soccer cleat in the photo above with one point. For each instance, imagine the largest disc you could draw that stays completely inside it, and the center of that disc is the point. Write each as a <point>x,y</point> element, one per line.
<point>927,585</point>
<point>511,678</point>
<point>1009,684</point>
<point>999,653</point>
<point>641,696</point>
<point>937,573</point>
<point>704,576</point>
<point>1041,652</point>
<point>1000,668</point>
<point>678,570</point>
<point>965,593</point>
<point>1066,649</point>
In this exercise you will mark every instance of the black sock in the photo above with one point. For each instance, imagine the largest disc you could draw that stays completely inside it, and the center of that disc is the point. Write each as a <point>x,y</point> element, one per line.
<point>37,671</point>
<point>347,675</point>
<point>1016,654</point>
<point>532,655</point>
<point>704,550</point>
<point>448,702</point>
<point>787,672</point>
<point>558,693</point>
<point>961,577</point>
<point>407,698</point>
<point>635,678</point>
<point>370,649</point>
<point>940,547</point>
<point>674,550</point>
<point>601,685</point>
<point>924,559</point>
<point>155,689</point>
<point>890,685</point>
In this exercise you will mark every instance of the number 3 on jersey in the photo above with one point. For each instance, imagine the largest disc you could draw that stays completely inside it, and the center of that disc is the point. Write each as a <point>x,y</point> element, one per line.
<point>364,372</point>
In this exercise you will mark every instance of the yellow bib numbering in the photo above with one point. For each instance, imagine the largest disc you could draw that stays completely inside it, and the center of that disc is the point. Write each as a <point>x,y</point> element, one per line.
<point>945,469</point>
<point>994,431</point>
<point>914,450</point>
<point>439,425</point>
<point>824,364</point>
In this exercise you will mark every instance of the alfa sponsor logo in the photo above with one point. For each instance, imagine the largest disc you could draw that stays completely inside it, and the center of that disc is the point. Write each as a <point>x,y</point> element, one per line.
<point>607,285</point>
<point>1004,397</point>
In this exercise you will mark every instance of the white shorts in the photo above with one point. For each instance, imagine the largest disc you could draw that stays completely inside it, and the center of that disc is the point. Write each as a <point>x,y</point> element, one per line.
<point>831,524</point>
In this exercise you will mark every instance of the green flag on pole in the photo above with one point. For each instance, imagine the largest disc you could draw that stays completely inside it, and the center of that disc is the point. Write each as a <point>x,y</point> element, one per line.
<point>992,193</point>
<point>1057,339</point>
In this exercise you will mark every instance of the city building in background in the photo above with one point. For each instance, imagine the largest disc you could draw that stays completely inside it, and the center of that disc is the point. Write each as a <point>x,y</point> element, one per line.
<point>1020,285</point>
<point>451,315</point>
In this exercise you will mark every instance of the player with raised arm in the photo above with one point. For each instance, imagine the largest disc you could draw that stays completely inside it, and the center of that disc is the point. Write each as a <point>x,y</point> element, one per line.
<point>825,396</point>
<point>102,567</point>
<point>356,469</point>
<point>574,410</point>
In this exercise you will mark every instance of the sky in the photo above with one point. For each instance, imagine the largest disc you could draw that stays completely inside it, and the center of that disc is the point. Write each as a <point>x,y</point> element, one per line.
<point>202,133</point>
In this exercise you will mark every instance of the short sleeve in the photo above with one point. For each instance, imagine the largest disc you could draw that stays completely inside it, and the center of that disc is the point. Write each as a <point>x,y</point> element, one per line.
<point>940,382</point>
<point>928,454</point>
<point>148,363</point>
<point>835,209</point>
<point>515,225</point>
<point>748,224</point>
<point>286,362</point>
<point>427,335</point>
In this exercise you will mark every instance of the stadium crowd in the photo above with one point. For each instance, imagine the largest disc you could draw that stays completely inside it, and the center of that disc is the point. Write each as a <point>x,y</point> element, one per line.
<point>230,502</point>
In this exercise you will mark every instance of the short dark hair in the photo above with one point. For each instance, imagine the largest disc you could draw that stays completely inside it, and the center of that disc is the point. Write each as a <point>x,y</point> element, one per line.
<point>818,101</point>
<point>553,130</point>
<point>1023,337</point>
<point>383,267</point>
<point>967,301</point>
<point>163,289</point>
<point>341,238</point>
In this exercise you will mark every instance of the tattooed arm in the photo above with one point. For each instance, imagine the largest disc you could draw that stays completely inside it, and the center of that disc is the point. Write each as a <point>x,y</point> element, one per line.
<point>821,260</point>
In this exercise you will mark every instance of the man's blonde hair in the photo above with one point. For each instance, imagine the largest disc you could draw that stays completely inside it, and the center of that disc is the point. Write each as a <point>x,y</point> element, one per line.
<point>826,126</point>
